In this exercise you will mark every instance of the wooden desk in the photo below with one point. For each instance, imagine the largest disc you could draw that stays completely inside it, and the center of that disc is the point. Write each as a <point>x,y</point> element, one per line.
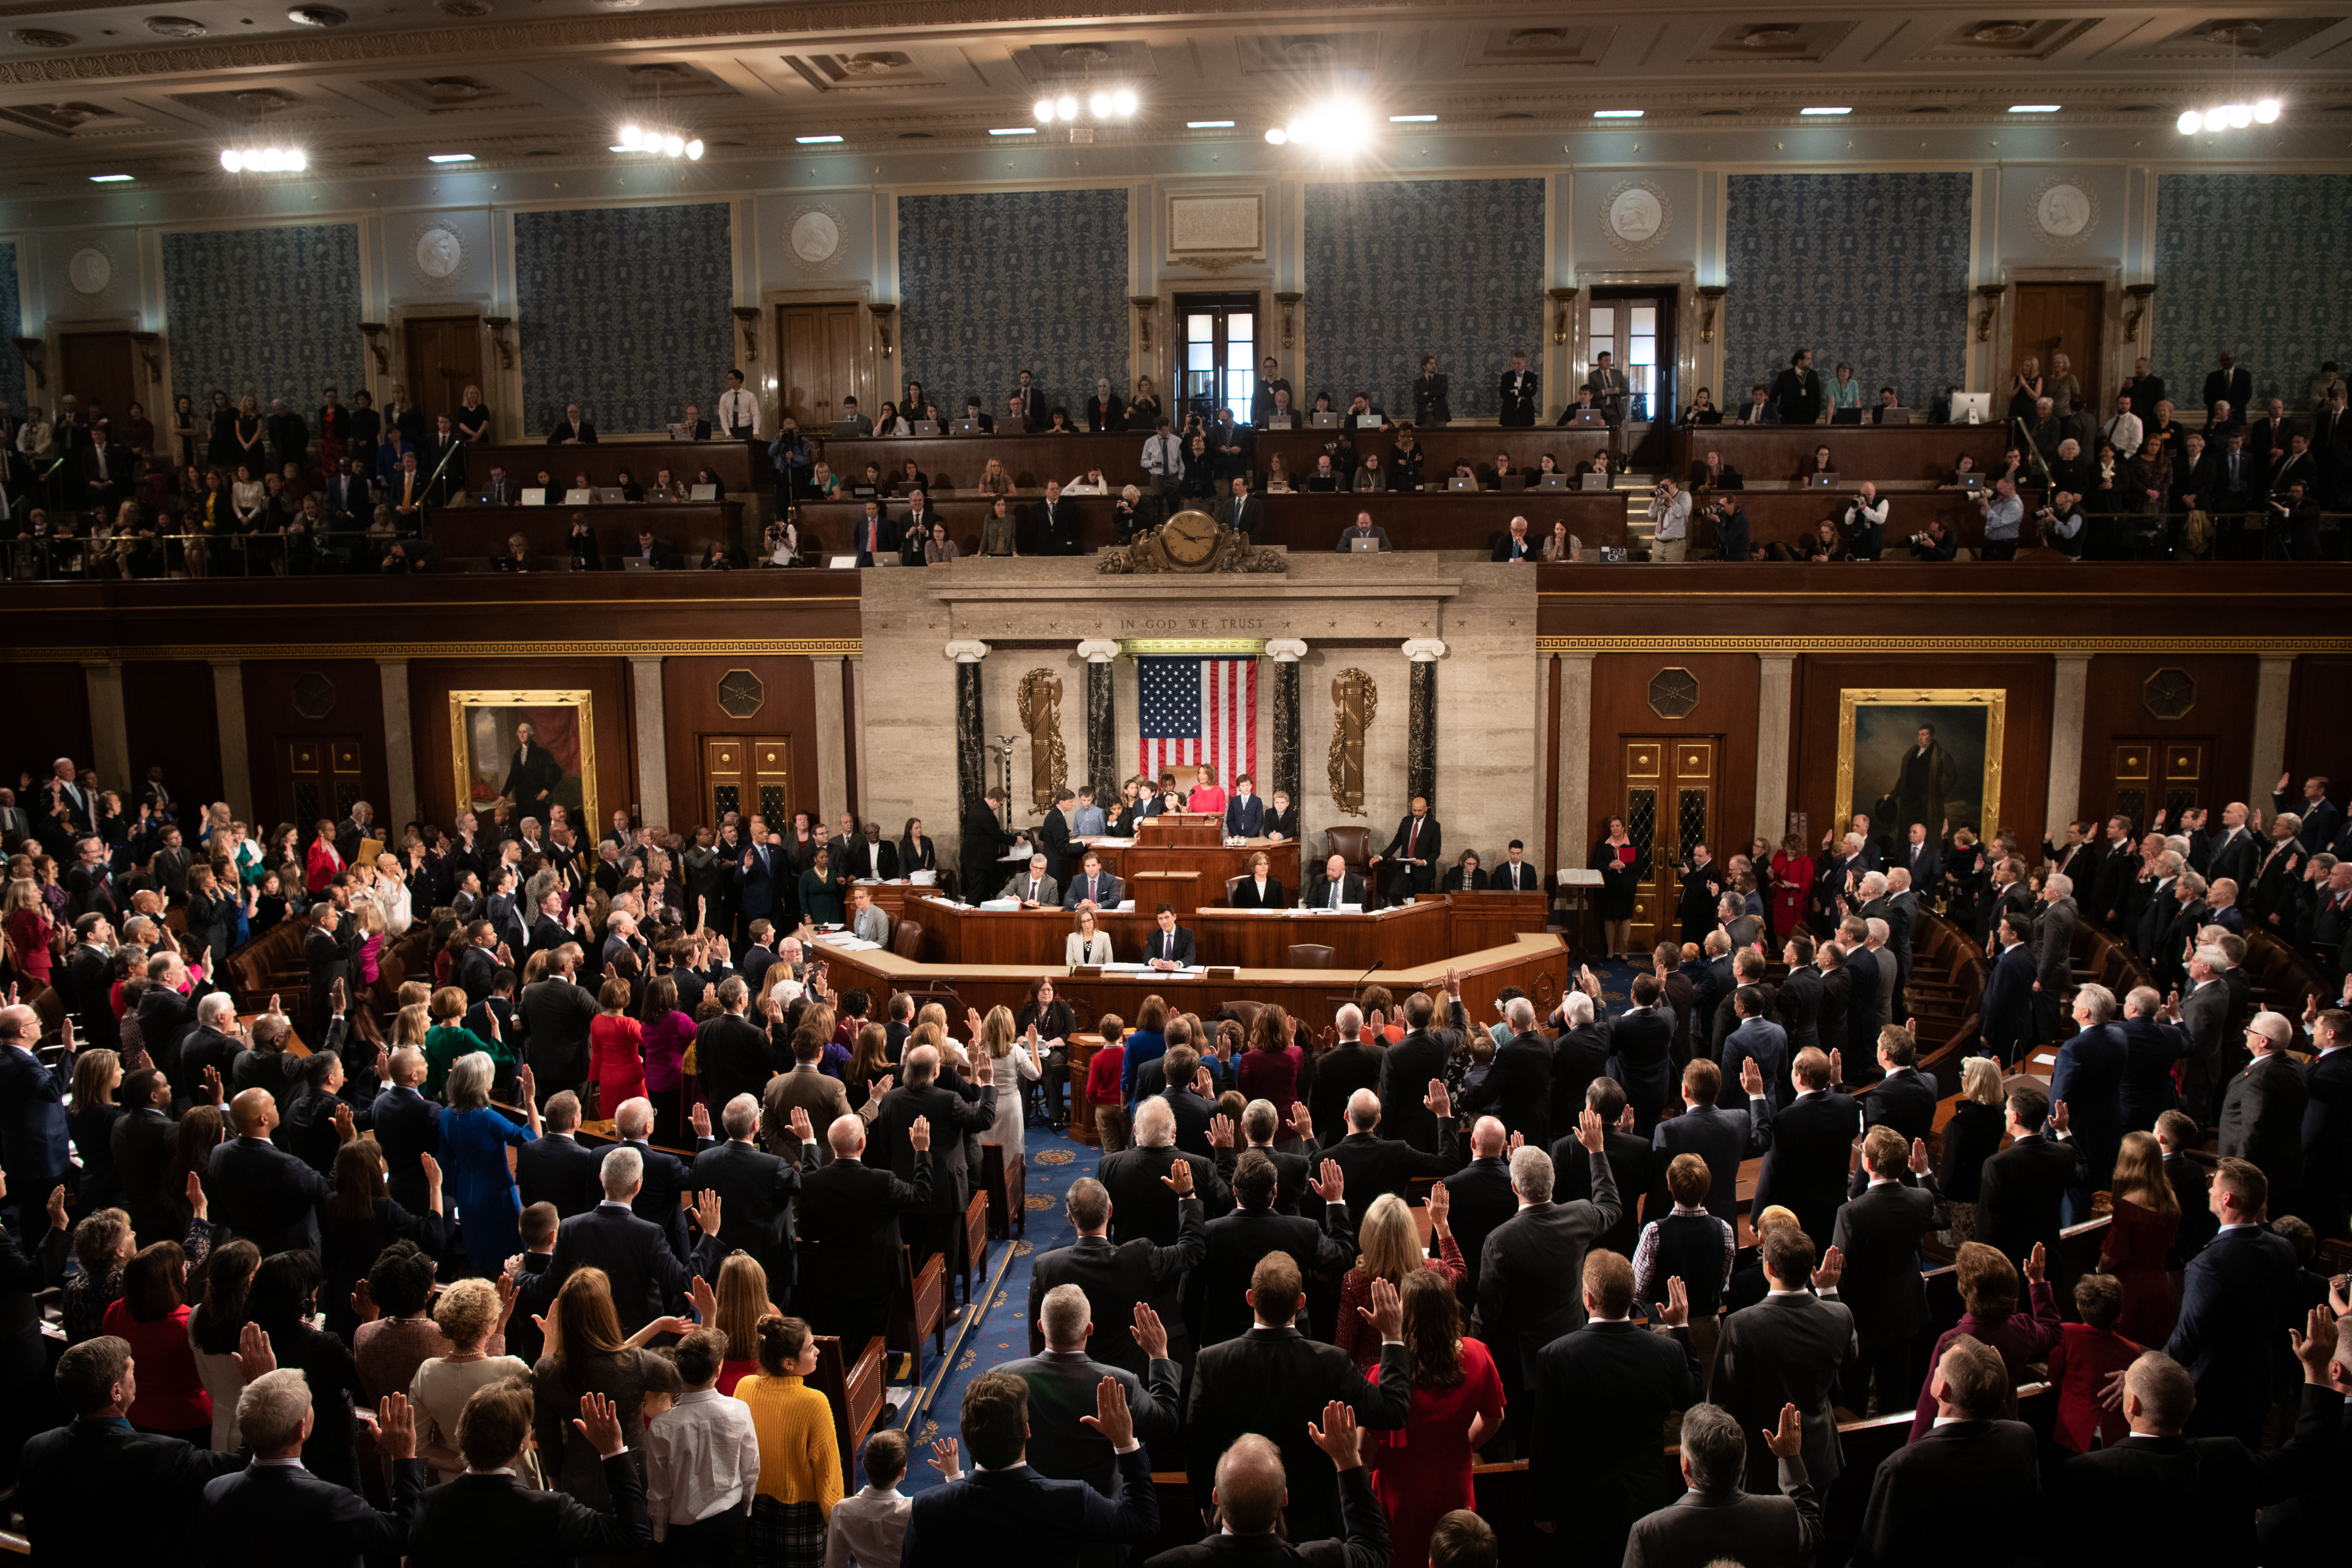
<point>1860,451</point>
<point>1536,964</point>
<point>1301,523</point>
<point>1477,445</point>
<point>733,461</point>
<point>1785,517</point>
<point>481,531</point>
<point>1214,862</point>
<point>1082,1049</point>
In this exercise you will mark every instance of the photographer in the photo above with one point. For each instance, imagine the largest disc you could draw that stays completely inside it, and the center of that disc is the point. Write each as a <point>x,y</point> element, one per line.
<point>780,544</point>
<point>1670,521</point>
<point>2004,515</point>
<point>1935,543</point>
<point>2295,525</point>
<point>2061,517</point>
<point>1731,530</point>
<point>1865,528</point>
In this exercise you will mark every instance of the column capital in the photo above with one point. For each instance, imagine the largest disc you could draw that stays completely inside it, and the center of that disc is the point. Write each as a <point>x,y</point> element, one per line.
<point>966,651</point>
<point>1286,650</point>
<point>1093,650</point>
<point>1424,650</point>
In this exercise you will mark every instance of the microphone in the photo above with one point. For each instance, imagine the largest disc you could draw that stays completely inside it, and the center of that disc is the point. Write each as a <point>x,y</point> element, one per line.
<point>1366,974</point>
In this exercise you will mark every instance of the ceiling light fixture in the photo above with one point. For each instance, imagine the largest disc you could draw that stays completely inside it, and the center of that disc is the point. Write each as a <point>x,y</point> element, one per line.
<point>1617,114</point>
<point>667,144</point>
<point>109,179</point>
<point>265,160</point>
<point>1014,130</point>
<point>1839,109</point>
<point>2036,108</point>
<point>814,140</point>
<point>1411,119</point>
<point>1208,125</point>
<point>1336,127</point>
<point>2230,117</point>
<point>448,157</point>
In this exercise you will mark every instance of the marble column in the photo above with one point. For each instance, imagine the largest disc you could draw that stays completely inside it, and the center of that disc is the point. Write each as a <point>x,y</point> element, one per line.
<point>2069,697</point>
<point>1102,732</point>
<point>971,732</point>
<point>831,740</point>
<point>1421,719</point>
<point>1283,776</point>
<point>1575,766</point>
<point>399,744</point>
<point>2268,758</point>
<point>228,715</point>
<point>652,783</point>
<point>1775,682</point>
<point>853,722</point>
<point>109,729</point>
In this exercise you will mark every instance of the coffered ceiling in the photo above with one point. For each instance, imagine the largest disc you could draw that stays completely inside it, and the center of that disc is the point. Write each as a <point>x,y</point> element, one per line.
<point>157,92</point>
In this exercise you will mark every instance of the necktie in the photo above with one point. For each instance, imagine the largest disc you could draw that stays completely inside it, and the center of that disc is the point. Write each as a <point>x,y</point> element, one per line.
<point>1335,892</point>
<point>1412,838</point>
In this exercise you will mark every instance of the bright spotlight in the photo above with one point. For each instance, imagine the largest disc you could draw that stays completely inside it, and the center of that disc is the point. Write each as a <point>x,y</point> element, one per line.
<point>631,138</point>
<point>1277,136</point>
<point>2191,123</point>
<point>297,160</point>
<point>1044,108</point>
<point>2267,110</point>
<point>673,145</point>
<point>2241,116</point>
<point>1123,102</point>
<point>232,162</point>
<point>1099,106</point>
<point>1065,107</point>
<point>694,148</point>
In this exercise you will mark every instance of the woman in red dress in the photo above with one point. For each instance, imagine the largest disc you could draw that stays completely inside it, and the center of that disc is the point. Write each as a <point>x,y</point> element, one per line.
<point>1423,1473</point>
<point>1389,1248</point>
<point>2145,1222</point>
<point>616,1049</point>
<point>1792,879</point>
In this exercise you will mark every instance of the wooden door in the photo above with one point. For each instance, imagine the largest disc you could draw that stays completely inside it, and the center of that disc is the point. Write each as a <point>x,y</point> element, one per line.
<point>2069,319</point>
<point>752,774</point>
<point>818,347</point>
<point>1668,804</point>
<point>101,368</point>
<point>444,357</point>
<point>319,777</point>
<point>2159,773</point>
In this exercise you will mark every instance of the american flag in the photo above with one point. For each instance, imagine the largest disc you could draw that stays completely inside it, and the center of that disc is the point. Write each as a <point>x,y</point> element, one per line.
<point>1196,712</point>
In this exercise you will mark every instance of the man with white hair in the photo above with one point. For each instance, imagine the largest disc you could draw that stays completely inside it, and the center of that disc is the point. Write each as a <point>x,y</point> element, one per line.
<point>1372,1164</point>
<point>1063,1379</point>
<point>648,1279</point>
<point>920,1097</point>
<point>1518,1082</point>
<point>33,1136</point>
<point>1140,1179</point>
<point>757,1189</point>
<point>2158,906</point>
<point>850,1210</point>
<point>664,1175</point>
<point>2204,1009</point>
<point>2088,1080</point>
<point>2261,1112</point>
<point>1531,1269</point>
<point>2054,949</point>
<point>275,1498</point>
<point>1354,1063</point>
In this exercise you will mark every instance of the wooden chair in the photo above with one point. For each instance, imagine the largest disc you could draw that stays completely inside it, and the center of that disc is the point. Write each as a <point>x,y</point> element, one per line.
<point>1310,955</point>
<point>854,1392</point>
<point>972,1247</point>
<point>1005,1182</point>
<point>920,1308</point>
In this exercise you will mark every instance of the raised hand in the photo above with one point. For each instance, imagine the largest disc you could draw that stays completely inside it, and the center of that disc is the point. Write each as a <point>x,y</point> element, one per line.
<point>1440,1103</point>
<point>802,1127</point>
<point>1333,1187</point>
<point>703,1300</point>
<point>1589,1133</point>
<point>943,1457</point>
<point>254,1355</point>
<point>1178,1179</point>
<point>1112,1419</point>
<point>1151,1335</point>
<point>699,1120</point>
<point>1338,1437</point>
<point>195,1196</point>
<point>599,1423</point>
<point>1831,1269</point>
<point>396,1427</point>
<point>918,1135</point>
<point>1386,1314</point>
<point>362,1305</point>
<point>2037,1265</point>
<point>1221,1132</point>
<point>1790,1438</point>
<point>1302,1121</point>
<point>1441,1204</point>
<point>56,1204</point>
<point>2315,1346</point>
<point>705,1212</point>
<point>345,1128</point>
<point>211,1077</point>
<point>1918,1156</point>
<point>1674,1313</point>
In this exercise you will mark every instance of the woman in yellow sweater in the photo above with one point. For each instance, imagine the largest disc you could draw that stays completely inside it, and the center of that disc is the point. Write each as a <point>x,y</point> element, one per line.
<point>800,1461</point>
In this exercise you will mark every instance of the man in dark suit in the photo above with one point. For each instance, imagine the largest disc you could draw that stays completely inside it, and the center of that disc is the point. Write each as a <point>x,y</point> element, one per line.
<point>487,1512</point>
<point>1063,1391</point>
<point>2237,1301</point>
<point>2204,1011</point>
<point>274,1498</point>
<point>1797,392</point>
<point>1138,1178</point>
<point>756,1190</point>
<point>920,1096</point>
<point>2024,1186</point>
<point>665,1175</point>
<point>1170,945</point>
<point>1479,1198</point>
<point>1374,1165</point>
<point>1059,527</point>
<point>1877,1239</point>
<point>1721,1137</point>
<point>1602,1395</point>
<point>1096,886</point>
<point>555,1167</point>
<point>2006,1010</point>
<point>1806,1148</point>
<point>847,1216</point>
<point>1756,1039</point>
<point>571,430</point>
<point>733,1055</point>
<point>649,1279</point>
<point>91,1469</point>
<point>2088,1080</point>
<point>1250,1493</point>
<point>1335,886</point>
<point>1218,1287</point>
<point>260,1192</point>
<point>1518,1082</point>
<point>1520,394</point>
<point>34,1135</point>
<point>1904,1098</point>
<point>1715,1520</point>
<point>2262,1110</point>
<point>1971,1453</point>
<point>1120,1277</point>
<point>1870,975</point>
<point>1629,1156</point>
<point>1407,1067</point>
<point>1007,1515</point>
<point>1531,1269</point>
<point>1241,512</point>
<point>1413,853</point>
<point>1787,1349</point>
<point>2054,949</point>
<point>408,1126</point>
<point>1274,1381</point>
<point>2327,1123</point>
<point>2232,383</point>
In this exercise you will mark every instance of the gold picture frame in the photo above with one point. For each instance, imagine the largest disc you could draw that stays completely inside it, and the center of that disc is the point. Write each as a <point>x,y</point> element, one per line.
<point>1878,727</point>
<point>482,726</point>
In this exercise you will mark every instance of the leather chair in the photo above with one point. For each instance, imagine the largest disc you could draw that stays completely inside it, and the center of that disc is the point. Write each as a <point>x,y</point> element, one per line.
<point>1310,955</point>
<point>1353,845</point>
<point>1243,1013</point>
<point>1232,883</point>
<point>907,941</point>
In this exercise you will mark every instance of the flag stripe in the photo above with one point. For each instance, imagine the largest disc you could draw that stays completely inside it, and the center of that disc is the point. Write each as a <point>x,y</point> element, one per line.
<point>1195,712</point>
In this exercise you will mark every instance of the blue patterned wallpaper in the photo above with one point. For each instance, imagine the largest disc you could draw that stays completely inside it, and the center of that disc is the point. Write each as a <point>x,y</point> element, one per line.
<point>12,307</point>
<point>627,312</point>
<point>272,312</point>
<point>992,284</point>
<point>1401,269</point>
<point>1872,269</point>
<point>2251,263</point>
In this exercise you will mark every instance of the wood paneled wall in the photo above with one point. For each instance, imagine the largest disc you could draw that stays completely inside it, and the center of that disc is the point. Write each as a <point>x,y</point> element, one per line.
<point>1620,707</point>
<point>2115,706</point>
<point>2318,735</point>
<point>690,711</point>
<point>169,712</point>
<point>270,721</point>
<point>49,717</point>
<point>606,680</point>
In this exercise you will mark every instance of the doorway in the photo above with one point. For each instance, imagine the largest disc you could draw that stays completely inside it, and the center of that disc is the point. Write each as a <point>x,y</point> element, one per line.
<point>318,778</point>
<point>818,350</point>
<point>444,357</point>
<point>2152,774</point>
<point>101,368</point>
<point>1219,368</point>
<point>2068,319</point>
<point>1636,326</point>
<point>749,774</point>
<point>1668,791</point>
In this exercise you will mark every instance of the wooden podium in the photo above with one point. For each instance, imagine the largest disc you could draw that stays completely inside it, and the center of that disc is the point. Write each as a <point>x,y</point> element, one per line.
<point>1179,890</point>
<point>1181,830</point>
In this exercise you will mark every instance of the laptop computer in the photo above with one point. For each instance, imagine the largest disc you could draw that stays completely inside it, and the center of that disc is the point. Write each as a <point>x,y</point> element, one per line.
<point>1898,415</point>
<point>703,492</point>
<point>1554,481</point>
<point>1512,482</point>
<point>1824,481</point>
<point>636,564</point>
<point>926,427</point>
<point>1367,421</point>
<point>1323,421</point>
<point>610,495</point>
<point>580,497</point>
<point>1596,481</point>
<point>1967,481</point>
<point>847,429</point>
<point>681,433</point>
<point>1363,544</point>
<point>841,562</point>
<point>967,428</point>
<point>533,498</point>
<point>1279,421</point>
<point>1585,419</point>
<point>1461,482</point>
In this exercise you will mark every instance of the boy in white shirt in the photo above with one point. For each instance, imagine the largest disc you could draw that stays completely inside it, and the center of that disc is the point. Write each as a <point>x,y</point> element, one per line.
<point>867,1529</point>
<point>702,1460</point>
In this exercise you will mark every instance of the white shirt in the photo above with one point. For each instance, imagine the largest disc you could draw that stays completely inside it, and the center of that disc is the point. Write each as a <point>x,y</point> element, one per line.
<point>1162,456</point>
<point>702,1457</point>
<point>2124,434</point>
<point>869,1527</point>
<point>1673,517</point>
<point>736,406</point>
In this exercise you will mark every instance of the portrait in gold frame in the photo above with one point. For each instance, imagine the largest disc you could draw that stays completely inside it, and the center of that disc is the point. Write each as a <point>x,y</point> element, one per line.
<point>1881,773</point>
<point>487,760</point>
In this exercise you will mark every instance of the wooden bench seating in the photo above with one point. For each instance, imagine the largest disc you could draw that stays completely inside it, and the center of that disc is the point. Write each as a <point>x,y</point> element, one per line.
<point>854,1389</point>
<point>1005,1183</point>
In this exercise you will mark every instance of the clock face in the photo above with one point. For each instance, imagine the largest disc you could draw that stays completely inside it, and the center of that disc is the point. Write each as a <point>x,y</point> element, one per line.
<point>1190,538</point>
